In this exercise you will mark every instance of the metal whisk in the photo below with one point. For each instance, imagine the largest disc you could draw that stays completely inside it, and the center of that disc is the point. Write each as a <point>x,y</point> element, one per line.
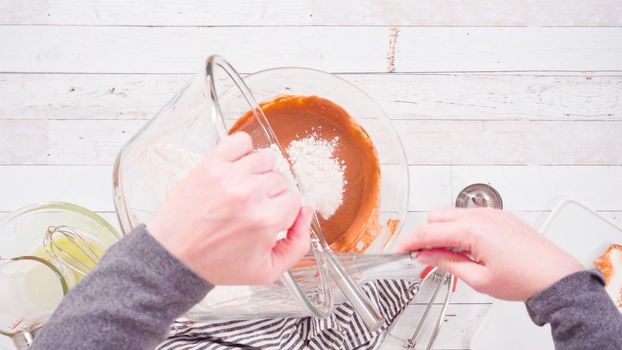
<point>443,279</point>
<point>72,248</point>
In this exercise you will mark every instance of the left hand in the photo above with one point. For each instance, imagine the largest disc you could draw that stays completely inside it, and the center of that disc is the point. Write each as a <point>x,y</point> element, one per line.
<point>223,219</point>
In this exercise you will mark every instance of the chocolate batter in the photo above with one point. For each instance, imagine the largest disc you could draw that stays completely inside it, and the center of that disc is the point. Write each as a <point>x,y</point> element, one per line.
<point>354,225</point>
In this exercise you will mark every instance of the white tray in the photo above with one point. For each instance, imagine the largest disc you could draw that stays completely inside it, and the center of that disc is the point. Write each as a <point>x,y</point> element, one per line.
<point>582,233</point>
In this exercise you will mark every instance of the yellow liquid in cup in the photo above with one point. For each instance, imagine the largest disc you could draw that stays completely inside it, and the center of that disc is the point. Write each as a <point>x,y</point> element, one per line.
<point>70,248</point>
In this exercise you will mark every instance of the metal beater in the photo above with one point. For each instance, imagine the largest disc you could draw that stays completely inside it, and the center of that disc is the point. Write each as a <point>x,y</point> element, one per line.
<point>474,196</point>
<point>76,251</point>
<point>443,279</point>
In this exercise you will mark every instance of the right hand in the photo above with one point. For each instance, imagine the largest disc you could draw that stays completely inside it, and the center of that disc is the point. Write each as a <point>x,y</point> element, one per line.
<point>498,254</point>
<point>223,219</point>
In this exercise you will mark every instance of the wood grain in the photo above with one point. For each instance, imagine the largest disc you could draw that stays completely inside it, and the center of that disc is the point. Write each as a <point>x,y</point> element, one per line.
<point>427,142</point>
<point>496,95</point>
<point>471,13</point>
<point>145,12</point>
<point>523,188</point>
<point>88,186</point>
<point>184,49</point>
<point>316,12</point>
<point>541,187</point>
<point>490,96</point>
<point>505,49</point>
<point>76,49</point>
<point>511,142</point>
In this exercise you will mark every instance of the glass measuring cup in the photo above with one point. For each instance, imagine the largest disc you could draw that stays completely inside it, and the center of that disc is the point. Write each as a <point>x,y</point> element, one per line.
<point>151,164</point>
<point>30,290</point>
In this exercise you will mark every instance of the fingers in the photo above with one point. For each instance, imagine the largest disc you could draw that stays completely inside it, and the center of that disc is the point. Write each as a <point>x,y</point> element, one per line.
<point>447,214</point>
<point>274,184</point>
<point>259,162</point>
<point>458,264</point>
<point>286,207</point>
<point>290,250</point>
<point>439,235</point>
<point>234,147</point>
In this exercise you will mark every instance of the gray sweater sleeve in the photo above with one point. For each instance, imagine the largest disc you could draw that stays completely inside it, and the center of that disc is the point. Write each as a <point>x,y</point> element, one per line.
<point>581,314</point>
<point>127,302</point>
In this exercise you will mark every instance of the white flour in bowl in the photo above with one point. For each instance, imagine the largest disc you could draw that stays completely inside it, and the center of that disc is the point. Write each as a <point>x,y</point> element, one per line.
<point>320,175</point>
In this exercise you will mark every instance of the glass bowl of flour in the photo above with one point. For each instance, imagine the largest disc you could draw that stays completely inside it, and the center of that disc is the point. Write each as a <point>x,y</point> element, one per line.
<point>155,160</point>
<point>151,164</point>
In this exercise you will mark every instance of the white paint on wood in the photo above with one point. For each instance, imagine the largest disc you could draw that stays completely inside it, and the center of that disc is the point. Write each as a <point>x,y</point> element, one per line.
<point>145,12</point>
<point>350,49</point>
<point>75,142</point>
<point>508,49</point>
<point>184,49</point>
<point>21,141</point>
<point>86,96</point>
<point>511,142</point>
<point>88,186</point>
<point>317,12</point>
<point>541,187</point>
<point>492,96</point>
<point>523,188</point>
<point>403,96</point>
<point>469,13</point>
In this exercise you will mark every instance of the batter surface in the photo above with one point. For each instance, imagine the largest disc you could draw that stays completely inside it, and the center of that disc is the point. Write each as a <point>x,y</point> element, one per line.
<point>354,225</point>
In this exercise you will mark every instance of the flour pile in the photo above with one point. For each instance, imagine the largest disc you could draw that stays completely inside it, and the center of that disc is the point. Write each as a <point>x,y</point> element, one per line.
<point>320,175</point>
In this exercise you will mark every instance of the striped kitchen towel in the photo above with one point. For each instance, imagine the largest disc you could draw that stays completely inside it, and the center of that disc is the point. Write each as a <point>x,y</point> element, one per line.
<point>341,330</point>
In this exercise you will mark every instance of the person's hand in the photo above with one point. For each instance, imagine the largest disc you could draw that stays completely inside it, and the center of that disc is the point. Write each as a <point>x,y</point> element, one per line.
<point>492,251</point>
<point>223,219</point>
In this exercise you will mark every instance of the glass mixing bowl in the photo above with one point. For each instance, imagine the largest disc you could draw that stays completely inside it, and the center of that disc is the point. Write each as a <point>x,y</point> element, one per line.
<point>155,160</point>
<point>22,232</point>
<point>269,84</point>
<point>33,281</point>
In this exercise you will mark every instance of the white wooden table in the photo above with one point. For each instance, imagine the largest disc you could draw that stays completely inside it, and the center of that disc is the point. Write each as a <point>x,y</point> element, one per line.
<point>524,95</point>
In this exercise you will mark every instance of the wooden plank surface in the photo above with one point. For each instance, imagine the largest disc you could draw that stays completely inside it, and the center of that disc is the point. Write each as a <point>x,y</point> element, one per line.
<point>316,12</point>
<point>523,188</point>
<point>471,13</point>
<point>77,49</point>
<point>511,142</point>
<point>184,49</point>
<point>490,96</point>
<point>146,12</point>
<point>427,142</point>
<point>495,49</point>
<point>528,99</point>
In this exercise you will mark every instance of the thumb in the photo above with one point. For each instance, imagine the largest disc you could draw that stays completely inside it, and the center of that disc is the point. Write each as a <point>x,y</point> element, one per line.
<point>458,264</point>
<point>289,250</point>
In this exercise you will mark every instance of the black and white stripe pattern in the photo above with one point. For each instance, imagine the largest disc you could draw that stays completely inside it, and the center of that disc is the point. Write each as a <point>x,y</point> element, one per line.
<point>341,330</point>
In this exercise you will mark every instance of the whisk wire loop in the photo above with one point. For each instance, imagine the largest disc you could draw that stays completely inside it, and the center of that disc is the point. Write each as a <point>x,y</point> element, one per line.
<point>76,244</point>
